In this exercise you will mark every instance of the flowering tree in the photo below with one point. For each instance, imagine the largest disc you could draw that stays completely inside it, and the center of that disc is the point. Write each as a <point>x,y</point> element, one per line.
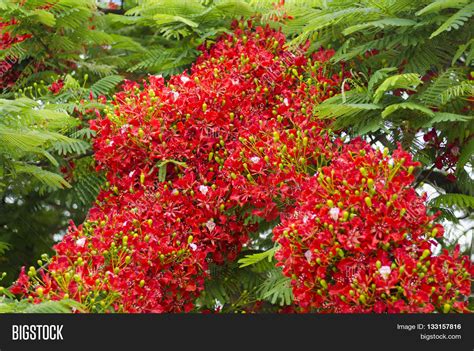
<point>197,165</point>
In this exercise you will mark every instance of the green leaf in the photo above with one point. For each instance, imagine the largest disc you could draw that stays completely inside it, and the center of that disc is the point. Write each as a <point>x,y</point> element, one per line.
<point>449,117</point>
<point>467,154</point>
<point>45,17</point>
<point>461,50</point>
<point>397,22</point>
<point>234,8</point>
<point>162,168</point>
<point>255,258</point>
<point>369,126</point>
<point>4,247</point>
<point>106,85</point>
<point>55,120</point>
<point>455,21</point>
<point>378,76</point>
<point>63,306</point>
<point>326,110</point>
<point>162,173</point>
<point>400,81</point>
<point>162,18</point>
<point>50,179</point>
<point>406,105</point>
<point>23,306</point>
<point>439,5</point>
<point>276,288</point>
<point>459,200</point>
<point>71,83</point>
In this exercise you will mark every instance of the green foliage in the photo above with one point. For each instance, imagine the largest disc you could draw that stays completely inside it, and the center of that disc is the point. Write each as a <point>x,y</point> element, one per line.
<point>276,289</point>
<point>23,306</point>
<point>105,85</point>
<point>28,135</point>
<point>47,172</point>
<point>460,201</point>
<point>455,21</point>
<point>258,257</point>
<point>412,72</point>
<point>238,285</point>
<point>60,32</point>
<point>162,37</point>
<point>408,81</point>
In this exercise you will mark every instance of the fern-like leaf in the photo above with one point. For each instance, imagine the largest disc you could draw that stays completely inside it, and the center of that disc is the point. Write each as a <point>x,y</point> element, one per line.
<point>461,201</point>
<point>455,21</point>
<point>258,257</point>
<point>105,85</point>
<point>400,81</point>
<point>406,105</point>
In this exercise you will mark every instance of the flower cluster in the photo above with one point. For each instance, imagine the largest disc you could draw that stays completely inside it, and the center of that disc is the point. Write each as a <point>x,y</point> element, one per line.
<point>183,158</point>
<point>8,75</point>
<point>190,160</point>
<point>447,154</point>
<point>360,240</point>
<point>56,86</point>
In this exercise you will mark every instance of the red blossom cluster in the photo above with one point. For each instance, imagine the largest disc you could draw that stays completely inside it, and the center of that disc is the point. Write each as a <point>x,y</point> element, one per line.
<point>447,154</point>
<point>8,75</point>
<point>190,159</point>
<point>183,160</point>
<point>56,86</point>
<point>360,240</point>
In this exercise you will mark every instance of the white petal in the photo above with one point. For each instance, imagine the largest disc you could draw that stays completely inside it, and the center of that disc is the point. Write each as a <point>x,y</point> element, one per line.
<point>175,95</point>
<point>210,225</point>
<point>334,213</point>
<point>255,159</point>
<point>309,255</point>
<point>385,271</point>
<point>203,189</point>
<point>81,242</point>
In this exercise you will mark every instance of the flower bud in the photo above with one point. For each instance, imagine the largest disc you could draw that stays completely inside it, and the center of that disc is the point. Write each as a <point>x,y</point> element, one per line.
<point>425,254</point>
<point>276,136</point>
<point>368,201</point>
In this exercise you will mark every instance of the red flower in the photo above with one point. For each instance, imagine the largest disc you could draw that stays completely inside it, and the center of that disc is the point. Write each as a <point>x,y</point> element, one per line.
<point>57,86</point>
<point>189,161</point>
<point>359,240</point>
